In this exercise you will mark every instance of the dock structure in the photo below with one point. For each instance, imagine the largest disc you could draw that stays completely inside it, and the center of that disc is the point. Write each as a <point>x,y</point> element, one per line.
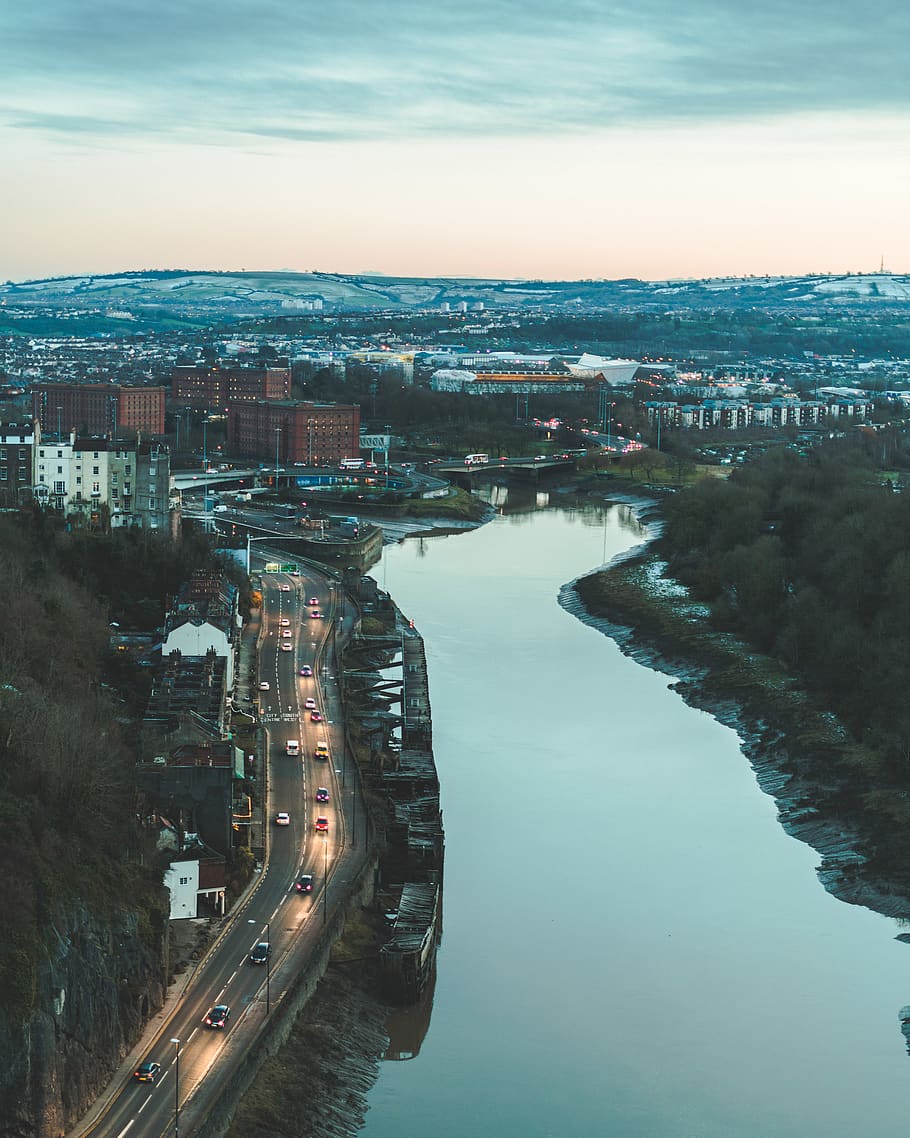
<point>407,957</point>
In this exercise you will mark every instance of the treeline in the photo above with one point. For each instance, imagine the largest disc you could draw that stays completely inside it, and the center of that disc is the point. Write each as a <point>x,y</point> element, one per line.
<point>808,558</point>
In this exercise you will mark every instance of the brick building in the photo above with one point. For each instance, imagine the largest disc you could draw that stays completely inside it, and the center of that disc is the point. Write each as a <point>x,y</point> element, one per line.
<point>316,434</point>
<point>217,386</point>
<point>99,408</point>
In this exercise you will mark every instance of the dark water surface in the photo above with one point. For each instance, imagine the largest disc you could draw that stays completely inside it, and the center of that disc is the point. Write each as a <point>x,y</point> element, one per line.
<point>633,947</point>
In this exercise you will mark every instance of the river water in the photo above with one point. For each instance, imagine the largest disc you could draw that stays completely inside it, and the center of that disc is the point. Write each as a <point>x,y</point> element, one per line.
<point>632,947</point>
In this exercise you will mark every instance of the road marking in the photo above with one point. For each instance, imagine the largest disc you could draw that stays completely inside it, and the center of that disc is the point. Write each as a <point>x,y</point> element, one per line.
<point>124,1130</point>
<point>190,1036</point>
<point>149,1099</point>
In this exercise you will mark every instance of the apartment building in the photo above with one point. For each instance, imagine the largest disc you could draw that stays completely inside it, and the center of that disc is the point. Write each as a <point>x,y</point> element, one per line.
<point>294,431</point>
<point>99,408</point>
<point>216,386</point>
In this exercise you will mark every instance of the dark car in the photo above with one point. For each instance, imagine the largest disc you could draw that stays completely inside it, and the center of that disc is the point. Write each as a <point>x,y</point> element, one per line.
<point>147,1072</point>
<point>315,614</point>
<point>306,670</point>
<point>218,1016</point>
<point>322,794</point>
<point>261,952</point>
<point>304,884</point>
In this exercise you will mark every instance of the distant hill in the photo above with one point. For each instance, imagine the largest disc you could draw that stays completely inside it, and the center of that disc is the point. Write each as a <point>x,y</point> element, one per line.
<point>242,294</point>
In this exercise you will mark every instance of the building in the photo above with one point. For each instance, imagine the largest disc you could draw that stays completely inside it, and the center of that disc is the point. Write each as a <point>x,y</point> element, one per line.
<point>205,617</point>
<point>216,386</point>
<point>17,444</point>
<point>128,480</point>
<point>293,431</point>
<point>99,408</point>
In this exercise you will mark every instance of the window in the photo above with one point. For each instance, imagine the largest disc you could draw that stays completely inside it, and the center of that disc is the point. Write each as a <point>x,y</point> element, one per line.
<point>4,474</point>
<point>127,469</point>
<point>59,487</point>
<point>21,473</point>
<point>59,469</point>
<point>184,881</point>
<point>23,455</point>
<point>41,453</point>
<point>95,468</point>
<point>3,453</point>
<point>78,481</point>
<point>96,488</point>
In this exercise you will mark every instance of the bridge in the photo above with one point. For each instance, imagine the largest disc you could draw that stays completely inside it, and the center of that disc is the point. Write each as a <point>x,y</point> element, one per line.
<point>532,465</point>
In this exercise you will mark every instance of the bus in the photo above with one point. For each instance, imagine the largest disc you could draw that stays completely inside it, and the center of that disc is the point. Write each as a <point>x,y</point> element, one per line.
<point>351,464</point>
<point>476,459</point>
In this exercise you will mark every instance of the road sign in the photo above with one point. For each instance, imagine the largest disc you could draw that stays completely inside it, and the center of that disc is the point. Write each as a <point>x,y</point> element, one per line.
<point>375,442</point>
<point>288,568</point>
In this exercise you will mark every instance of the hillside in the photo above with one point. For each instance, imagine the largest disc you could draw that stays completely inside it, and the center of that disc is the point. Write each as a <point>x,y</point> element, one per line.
<point>185,293</point>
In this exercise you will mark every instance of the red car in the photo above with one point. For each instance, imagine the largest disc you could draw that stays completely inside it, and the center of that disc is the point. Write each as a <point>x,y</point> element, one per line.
<point>322,825</point>
<point>315,717</point>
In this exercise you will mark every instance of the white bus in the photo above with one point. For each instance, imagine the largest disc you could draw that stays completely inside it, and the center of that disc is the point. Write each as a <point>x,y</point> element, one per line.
<point>351,464</point>
<point>476,459</point>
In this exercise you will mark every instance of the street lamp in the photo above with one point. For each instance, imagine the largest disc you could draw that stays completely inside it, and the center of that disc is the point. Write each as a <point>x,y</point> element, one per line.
<point>268,964</point>
<point>277,438</point>
<point>325,880</point>
<point>176,1043</point>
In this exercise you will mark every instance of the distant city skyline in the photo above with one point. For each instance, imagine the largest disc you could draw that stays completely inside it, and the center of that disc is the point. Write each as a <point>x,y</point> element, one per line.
<point>525,140</point>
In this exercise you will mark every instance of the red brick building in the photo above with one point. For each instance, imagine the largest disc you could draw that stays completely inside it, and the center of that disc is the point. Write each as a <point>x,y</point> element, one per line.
<point>216,386</point>
<point>317,434</point>
<point>99,408</point>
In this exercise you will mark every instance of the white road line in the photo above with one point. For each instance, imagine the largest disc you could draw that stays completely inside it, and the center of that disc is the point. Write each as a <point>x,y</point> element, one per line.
<point>124,1130</point>
<point>147,1101</point>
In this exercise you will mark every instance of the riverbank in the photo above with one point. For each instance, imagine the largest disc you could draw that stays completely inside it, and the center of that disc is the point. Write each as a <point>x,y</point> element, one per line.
<point>802,757</point>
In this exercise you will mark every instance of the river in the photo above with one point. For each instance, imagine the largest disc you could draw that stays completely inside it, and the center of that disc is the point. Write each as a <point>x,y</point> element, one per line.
<point>632,946</point>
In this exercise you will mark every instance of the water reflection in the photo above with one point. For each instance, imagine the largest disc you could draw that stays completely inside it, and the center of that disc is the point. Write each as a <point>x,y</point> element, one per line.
<point>407,1027</point>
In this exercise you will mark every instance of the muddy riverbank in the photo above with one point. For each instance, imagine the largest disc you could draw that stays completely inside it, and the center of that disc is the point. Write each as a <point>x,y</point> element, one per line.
<point>799,752</point>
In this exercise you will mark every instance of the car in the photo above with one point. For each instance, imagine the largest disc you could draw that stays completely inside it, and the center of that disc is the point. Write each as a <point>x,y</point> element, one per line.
<point>147,1072</point>
<point>322,750</point>
<point>292,747</point>
<point>282,818</point>
<point>322,825</point>
<point>322,794</point>
<point>315,717</point>
<point>285,633</point>
<point>315,614</point>
<point>309,703</point>
<point>306,670</point>
<point>284,622</point>
<point>285,588</point>
<point>264,685</point>
<point>261,953</point>
<point>286,646</point>
<point>218,1016</point>
<point>313,601</point>
<point>304,883</point>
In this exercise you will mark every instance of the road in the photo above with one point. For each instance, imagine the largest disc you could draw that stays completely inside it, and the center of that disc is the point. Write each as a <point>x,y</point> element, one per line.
<point>275,912</point>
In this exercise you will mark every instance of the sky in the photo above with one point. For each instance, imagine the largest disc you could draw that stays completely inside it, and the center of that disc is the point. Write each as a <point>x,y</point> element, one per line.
<point>555,139</point>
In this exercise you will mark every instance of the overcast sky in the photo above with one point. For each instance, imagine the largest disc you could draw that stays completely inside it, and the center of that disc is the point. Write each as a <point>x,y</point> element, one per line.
<point>547,138</point>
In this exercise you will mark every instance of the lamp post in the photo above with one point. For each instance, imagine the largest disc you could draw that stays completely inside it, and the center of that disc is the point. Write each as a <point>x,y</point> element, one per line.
<point>277,438</point>
<point>610,407</point>
<point>205,452</point>
<point>268,965</point>
<point>176,1043</point>
<point>325,880</point>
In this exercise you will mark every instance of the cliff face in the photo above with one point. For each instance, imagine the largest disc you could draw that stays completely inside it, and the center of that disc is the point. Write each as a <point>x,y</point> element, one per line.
<point>97,986</point>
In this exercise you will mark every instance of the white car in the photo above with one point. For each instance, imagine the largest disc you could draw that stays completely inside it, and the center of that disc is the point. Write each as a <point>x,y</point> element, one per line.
<point>310,703</point>
<point>285,588</point>
<point>264,685</point>
<point>286,646</point>
<point>284,622</point>
<point>282,818</point>
<point>286,632</point>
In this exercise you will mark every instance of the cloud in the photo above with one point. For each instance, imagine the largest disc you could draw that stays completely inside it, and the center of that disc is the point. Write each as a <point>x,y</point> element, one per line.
<point>243,71</point>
